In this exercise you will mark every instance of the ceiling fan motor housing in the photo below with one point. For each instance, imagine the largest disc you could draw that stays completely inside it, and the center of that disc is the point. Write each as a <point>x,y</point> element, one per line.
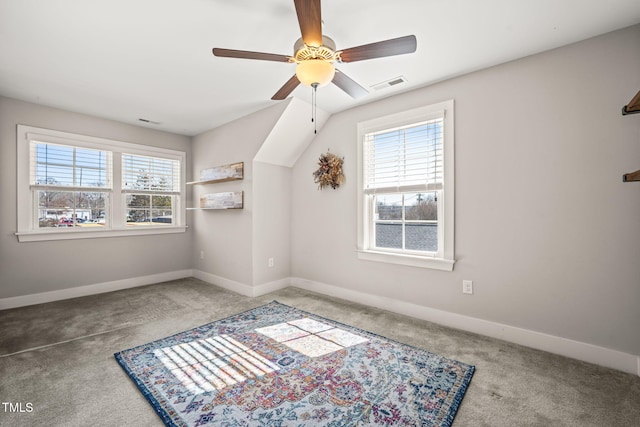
<point>315,63</point>
<point>326,51</point>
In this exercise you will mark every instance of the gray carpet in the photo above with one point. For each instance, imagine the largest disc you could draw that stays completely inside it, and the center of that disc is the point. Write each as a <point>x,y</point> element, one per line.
<point>59,357</point>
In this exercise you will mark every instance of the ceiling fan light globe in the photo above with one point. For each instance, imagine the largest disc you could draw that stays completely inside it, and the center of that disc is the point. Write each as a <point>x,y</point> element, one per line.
<point>315,72</point>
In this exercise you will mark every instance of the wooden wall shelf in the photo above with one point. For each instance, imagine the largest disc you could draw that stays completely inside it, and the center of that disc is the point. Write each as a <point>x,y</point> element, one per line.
<point>226,200</point>
<point>232,172</point>
<point>630,177</point>
<point>633,107</point>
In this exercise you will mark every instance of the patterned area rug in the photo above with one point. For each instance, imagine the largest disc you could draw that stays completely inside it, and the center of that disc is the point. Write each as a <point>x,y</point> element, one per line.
<point>276,365</point>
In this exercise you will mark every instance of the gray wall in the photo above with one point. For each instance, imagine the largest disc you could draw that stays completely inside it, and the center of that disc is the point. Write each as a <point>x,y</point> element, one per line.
<point>228,238</point>
<point>271,222</point>
<point>29,268</point>
<point>544,225</point>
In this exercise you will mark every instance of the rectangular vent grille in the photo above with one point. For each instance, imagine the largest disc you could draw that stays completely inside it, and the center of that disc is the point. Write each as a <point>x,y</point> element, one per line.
<point>388,83</point>
<point>149,121</point>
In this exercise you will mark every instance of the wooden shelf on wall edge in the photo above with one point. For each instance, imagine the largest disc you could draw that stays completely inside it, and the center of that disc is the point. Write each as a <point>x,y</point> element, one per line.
<point>632,176</point>
<point>633,107</point>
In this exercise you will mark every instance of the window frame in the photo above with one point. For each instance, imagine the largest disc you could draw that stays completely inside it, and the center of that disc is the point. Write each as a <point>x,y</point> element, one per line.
<point>444,258</point>
<point>116,226</point>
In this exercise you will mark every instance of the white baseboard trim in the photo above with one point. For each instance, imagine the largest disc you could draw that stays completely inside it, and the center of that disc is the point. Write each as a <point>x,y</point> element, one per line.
<point>574,349</point>
<point>267,288</point>
<point>242,288</point>
<point>97,288</point>
<point>223,282</point>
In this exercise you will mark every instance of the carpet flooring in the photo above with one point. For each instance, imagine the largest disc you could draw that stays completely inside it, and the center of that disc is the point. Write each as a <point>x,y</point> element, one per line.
<point>58,357</point>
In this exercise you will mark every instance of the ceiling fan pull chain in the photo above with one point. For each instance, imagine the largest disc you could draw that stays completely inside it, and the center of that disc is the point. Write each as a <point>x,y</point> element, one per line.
<point>314,94</point>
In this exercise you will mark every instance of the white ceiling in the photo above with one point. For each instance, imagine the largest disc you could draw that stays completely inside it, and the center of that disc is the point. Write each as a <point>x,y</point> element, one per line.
<point>151,59</point>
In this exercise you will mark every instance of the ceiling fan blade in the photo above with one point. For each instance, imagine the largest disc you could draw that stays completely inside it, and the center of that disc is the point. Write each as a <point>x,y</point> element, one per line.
<point>399,46</point>
<point>286,89</point>
<point>245,54</point>
<point>348,85</point>
<point>310,20</point>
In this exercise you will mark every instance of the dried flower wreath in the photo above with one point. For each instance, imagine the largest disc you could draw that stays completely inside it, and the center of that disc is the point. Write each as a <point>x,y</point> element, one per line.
<point>330,171</point>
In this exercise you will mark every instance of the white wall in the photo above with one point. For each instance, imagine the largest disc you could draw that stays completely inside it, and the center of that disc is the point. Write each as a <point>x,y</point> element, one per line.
<point>544,225</point>
<point>35,267</point>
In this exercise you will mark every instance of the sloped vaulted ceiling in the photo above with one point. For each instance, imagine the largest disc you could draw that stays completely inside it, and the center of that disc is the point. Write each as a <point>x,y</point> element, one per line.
<point>291,134</point>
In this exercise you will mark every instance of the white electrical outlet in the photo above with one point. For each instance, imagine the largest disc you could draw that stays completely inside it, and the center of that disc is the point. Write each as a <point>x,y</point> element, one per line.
<point>201,254</point>
<point>271,263</point>
<point>467,287</point>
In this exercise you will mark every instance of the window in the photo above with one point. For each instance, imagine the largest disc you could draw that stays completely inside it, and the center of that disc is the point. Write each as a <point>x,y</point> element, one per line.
<point>151,186</point>
<point>70,184</point>
<point>74,186</point>
<point>405,188</point>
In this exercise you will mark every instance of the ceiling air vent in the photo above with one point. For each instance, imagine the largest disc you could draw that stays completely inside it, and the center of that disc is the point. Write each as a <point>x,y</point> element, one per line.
<point>388,83</point>
<point>149,121</point>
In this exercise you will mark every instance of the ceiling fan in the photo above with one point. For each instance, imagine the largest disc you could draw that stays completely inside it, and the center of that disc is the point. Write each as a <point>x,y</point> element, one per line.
<point>315,54</point>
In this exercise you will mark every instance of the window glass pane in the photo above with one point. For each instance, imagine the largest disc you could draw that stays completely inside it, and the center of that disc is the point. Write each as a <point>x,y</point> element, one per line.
<point>406,221</point>
<point>388,206</point>
<point>54,164</point>
<point>411,155</point>
<point>60,165</point>
<point>163,204</point>
<point>388,224</point>
<point>388,235</point>
<point>138,208</point>
<point>162,209</point>
<point>71,208</point>
<point>421,207</point>
<point>421,236</point>
<point>146,209</point>
<point>150,173</point>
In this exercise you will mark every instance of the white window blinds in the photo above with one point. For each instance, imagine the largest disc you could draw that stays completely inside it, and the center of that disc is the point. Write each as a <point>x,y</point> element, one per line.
<point>68,167</point>
<point>408,158</point>
<point>142,174</point>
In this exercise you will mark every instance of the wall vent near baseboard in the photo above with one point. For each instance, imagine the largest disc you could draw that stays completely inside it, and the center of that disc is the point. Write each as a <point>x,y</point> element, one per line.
<point>391,82</point>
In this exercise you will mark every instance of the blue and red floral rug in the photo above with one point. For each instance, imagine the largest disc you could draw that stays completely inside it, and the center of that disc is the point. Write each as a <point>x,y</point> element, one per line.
<point>276,365</point>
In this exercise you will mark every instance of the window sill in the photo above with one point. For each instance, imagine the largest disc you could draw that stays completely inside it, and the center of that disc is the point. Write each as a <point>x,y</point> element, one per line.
<point>41,236</point>
<point>410,260</point>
